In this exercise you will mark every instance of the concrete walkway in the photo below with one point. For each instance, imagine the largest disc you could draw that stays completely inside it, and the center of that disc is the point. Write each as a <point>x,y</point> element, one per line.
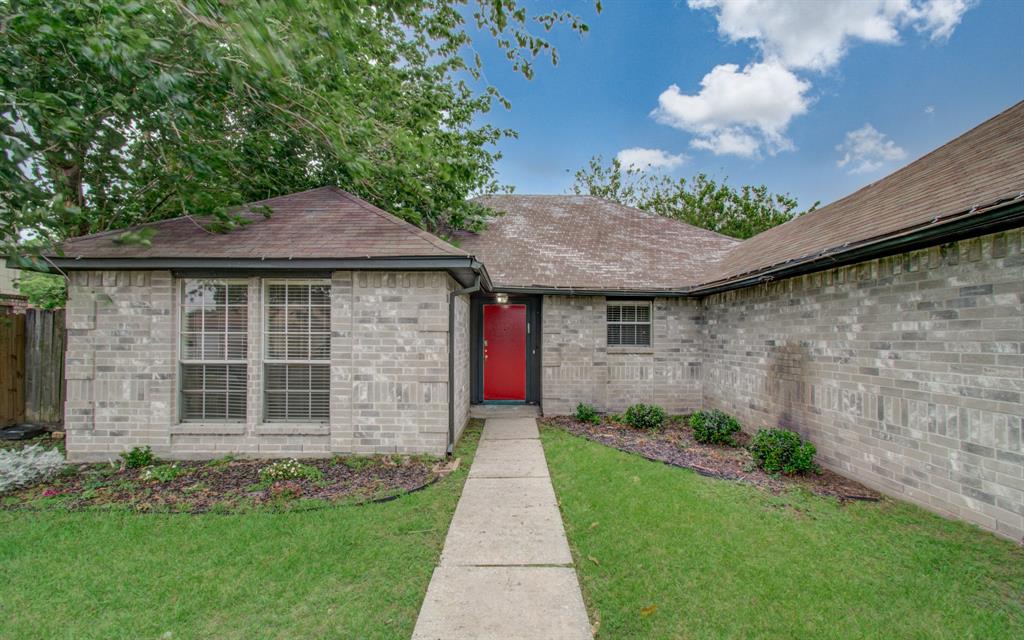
<point>506,572</point>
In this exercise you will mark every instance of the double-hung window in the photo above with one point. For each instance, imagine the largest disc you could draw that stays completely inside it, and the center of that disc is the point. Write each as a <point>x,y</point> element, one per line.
<point>214,350</point>
<point>297,351</point>
<point>629,324</point>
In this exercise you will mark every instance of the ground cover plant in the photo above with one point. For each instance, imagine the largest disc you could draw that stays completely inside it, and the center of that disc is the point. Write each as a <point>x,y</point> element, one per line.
<point>349,571</point>
<point>677,443</point>
<point>663,552</point>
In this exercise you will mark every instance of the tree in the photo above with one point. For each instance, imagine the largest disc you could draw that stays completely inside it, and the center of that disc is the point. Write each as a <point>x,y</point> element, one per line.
<point>702,202</point>
<point>116,112</point>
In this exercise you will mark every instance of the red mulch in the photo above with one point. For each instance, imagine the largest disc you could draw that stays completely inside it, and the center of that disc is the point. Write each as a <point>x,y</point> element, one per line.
<point>675,445</point>
<point>230,485</point>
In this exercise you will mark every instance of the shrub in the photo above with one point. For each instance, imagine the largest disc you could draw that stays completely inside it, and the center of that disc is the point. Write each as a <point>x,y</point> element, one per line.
<point>783,451</point>
<point>138,457</point>
<point>161,473</point>
<point>714,427</point>
<point>645,416</point>
<point>290,469</point>
<point>587,413</point>
<point>22,467</point>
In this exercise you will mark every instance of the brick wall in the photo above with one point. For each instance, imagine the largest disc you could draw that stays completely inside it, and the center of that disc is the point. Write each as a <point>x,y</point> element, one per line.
<point>578,366</point>
<point>389,370</point>
<point>120,362</point>
<point>462,369</point>
<point>906,372</point>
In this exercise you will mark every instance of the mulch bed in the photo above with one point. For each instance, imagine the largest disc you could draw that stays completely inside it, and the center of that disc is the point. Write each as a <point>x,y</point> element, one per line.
<point>231,485</point>
<point>675,445</point>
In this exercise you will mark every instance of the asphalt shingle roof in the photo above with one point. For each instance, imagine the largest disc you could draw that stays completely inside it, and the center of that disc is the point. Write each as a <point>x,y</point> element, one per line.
<point>582,242</point>
<point>320,223</point>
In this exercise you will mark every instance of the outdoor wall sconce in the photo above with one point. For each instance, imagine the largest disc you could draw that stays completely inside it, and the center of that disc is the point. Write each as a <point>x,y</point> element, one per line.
<point>502,298</point>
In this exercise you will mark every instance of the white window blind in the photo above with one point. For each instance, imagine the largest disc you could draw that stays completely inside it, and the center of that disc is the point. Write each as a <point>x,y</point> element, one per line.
<point>297,352</point>
<point>214,348</point>
<point>629,324</point>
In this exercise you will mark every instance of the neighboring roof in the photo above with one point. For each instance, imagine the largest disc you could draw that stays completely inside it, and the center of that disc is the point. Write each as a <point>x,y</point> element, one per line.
<point>964,177</point>
<point>320,223</point>
<point>589,244</point>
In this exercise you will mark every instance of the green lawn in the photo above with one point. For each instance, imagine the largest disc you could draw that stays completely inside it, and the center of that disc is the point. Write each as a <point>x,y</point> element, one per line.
<point>341,572</point>
<point>665,553</point>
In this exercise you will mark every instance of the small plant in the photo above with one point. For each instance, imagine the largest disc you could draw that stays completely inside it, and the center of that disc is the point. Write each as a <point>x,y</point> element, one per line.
<point>138,457</point>
<point>783,451</point>
<point>22,467</point>
<point>648,417</point>
<point>714,427</point>
<point>290,469</point>
<point>161,473</point>
<point>358,463</point>
<point>587,413</point>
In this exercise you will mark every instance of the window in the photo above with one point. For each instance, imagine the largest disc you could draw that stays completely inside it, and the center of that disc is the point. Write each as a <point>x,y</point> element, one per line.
<point>629,324</point>
<point>297,352</point>
<point>214,345</point>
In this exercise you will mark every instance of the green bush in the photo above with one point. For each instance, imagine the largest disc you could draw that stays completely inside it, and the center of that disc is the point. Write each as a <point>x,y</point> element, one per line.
<point>587,413</point>
<point>290,469</point>
<point>714,427</point>
<point>645,416</point>
<point>783,451</point>
<point>138,457</point>
<point>43,290</point>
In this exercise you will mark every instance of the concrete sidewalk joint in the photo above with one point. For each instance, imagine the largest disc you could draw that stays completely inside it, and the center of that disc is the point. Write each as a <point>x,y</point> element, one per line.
<point>506,570</point>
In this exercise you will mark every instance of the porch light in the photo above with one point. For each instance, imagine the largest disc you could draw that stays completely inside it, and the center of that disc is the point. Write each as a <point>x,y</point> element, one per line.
<point>502,298</point>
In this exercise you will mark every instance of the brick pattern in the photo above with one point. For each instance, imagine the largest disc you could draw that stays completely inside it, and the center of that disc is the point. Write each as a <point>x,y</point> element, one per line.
<point>389,370</point>
<point>907,372</point>
<point>120,362</point>
<point>462,354</point>
<point>578,366</point>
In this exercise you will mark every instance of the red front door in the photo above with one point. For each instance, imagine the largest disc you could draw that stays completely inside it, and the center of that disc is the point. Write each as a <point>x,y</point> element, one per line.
<point>505,352</point>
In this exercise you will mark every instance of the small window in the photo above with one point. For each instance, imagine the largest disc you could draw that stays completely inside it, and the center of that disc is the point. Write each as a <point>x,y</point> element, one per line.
<point>629,324</point>
<point>297,352</point>
<point>214,350</point>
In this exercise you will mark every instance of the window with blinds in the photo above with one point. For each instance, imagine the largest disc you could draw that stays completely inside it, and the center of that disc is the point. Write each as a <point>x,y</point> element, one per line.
<point>214,350</point>
<point>297,352</point>
<point>629,324</point>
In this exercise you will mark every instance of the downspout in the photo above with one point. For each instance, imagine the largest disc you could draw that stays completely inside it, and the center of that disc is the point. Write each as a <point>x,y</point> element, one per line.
<point>451,359</point>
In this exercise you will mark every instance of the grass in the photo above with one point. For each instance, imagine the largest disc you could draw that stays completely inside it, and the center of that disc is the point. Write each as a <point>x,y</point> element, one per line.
<point>665,553</point>
<point>344,572</point>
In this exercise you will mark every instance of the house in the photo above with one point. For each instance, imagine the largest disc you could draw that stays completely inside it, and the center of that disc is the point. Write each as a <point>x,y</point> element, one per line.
<point>11,299</point>
<point>888,327</point>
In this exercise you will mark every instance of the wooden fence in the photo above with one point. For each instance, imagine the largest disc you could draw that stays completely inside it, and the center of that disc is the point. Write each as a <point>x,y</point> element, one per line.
<point>12,369</point>
<point>32,375</point>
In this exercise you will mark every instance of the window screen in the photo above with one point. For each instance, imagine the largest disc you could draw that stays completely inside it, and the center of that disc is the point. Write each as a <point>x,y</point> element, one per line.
<point>629,324</point>
<point>297,352</point>
<point>214,346</point>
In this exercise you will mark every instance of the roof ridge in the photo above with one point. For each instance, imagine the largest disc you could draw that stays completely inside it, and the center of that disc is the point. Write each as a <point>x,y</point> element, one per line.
<point>420,233</point>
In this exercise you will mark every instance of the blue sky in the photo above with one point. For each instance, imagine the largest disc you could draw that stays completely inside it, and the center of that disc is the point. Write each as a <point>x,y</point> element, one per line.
<point>916,72</point>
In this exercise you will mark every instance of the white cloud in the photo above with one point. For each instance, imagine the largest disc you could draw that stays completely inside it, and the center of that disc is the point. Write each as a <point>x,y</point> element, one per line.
<point>867,149</point>
<point>641,158</point>
<point>737,111</point>
<point>815,35</point>
<point>929,110</point>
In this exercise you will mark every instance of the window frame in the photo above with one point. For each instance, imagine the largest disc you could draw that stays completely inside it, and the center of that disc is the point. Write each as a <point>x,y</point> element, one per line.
<point>183,361</point>
<point>649,323</point>
<point>264,355</point>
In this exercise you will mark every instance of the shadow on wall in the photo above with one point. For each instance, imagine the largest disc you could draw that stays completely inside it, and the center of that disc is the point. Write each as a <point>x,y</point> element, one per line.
<point>787,384</point>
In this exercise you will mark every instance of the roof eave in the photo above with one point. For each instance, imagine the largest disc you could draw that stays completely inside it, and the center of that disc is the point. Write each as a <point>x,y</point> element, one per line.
<point>992,218</point>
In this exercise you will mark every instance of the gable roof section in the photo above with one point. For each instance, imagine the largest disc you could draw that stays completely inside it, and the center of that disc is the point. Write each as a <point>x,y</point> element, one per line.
<point>583,243</point>
<point>975,172</point>
<point>321,223</point>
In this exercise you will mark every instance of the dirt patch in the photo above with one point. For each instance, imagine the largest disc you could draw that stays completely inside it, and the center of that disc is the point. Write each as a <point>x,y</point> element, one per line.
<point>675,445</point>
<point>230,485</point>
